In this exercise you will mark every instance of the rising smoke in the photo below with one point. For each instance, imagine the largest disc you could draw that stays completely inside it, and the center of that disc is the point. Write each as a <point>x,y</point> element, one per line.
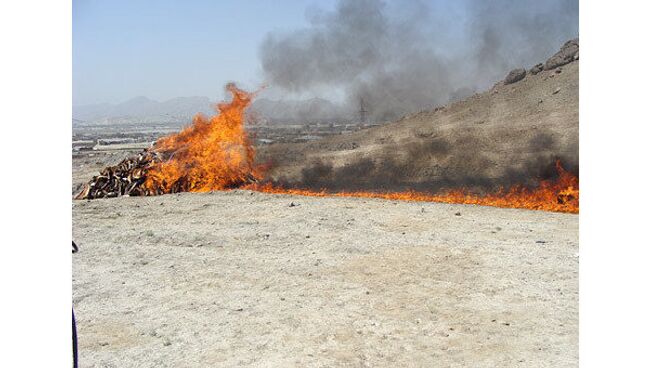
<point>401,57</point>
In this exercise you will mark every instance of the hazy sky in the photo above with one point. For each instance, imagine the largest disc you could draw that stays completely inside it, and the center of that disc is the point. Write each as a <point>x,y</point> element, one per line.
<point>163,49</point>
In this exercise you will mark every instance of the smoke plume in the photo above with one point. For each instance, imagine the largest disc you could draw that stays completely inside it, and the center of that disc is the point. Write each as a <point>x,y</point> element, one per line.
<point>401,57</point>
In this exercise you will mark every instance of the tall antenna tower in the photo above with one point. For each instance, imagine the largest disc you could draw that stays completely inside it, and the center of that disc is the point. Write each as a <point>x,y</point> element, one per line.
<point>363,113</point>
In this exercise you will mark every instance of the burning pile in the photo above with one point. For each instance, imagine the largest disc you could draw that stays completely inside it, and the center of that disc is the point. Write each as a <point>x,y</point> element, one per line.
<point>211,154</point>
<point>125,178</point>
<point>215,154</point>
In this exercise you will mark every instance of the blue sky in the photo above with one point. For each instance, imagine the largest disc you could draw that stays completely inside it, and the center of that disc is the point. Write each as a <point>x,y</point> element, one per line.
<point>164,49</point>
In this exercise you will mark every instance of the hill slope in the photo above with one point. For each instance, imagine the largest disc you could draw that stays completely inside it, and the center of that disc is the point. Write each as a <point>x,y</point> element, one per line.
<point>510,133</point>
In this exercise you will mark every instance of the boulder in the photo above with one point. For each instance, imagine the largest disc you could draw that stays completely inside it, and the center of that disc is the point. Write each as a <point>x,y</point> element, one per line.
<point>515,76</point>
<point>566,55</point>
<point>537,68</point>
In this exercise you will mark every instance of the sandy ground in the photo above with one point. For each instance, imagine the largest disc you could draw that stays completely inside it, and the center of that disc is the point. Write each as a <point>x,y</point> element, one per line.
<point>248,279</point>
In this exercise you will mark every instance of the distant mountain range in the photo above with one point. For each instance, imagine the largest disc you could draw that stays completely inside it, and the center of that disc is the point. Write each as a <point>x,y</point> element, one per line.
<point>181,109</point>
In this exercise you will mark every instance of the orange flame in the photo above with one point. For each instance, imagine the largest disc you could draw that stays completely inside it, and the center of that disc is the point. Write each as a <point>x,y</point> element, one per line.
<point>559,195</point>
<point>211,154</point>
<point>216,154</point>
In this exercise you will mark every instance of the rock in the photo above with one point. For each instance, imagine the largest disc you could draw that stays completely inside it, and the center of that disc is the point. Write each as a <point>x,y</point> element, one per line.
<point>515,75</point>
<point>556,90</point>
<point>457,214</point>
<point>575,57</point>
<point>537,68</point>
<point>566,55</point>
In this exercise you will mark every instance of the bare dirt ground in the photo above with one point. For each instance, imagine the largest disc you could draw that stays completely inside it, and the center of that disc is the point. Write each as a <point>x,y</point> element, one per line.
<point>231,279</point>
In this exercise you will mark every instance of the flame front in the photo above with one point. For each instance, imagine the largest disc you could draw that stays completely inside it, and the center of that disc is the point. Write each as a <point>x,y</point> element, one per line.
<point>211,154</point>
<point>558,195</point>
<point>215,154</point>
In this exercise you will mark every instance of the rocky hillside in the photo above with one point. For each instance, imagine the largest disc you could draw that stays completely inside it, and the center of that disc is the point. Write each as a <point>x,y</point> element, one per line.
<point>511,133</point>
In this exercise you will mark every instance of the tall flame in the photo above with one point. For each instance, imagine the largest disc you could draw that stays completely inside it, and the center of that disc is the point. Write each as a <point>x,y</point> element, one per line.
<point>215,153</point>
<point>211,154</point>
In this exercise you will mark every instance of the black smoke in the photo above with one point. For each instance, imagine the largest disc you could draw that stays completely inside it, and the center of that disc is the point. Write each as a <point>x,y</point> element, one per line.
<point>405,56</point>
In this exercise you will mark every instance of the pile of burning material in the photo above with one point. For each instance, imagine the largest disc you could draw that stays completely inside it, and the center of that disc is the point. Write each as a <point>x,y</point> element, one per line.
<point>213,153</point>
<point>125,178</point>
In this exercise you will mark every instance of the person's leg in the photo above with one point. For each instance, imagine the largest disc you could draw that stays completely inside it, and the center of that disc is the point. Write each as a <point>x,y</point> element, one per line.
<point>74,341</point>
